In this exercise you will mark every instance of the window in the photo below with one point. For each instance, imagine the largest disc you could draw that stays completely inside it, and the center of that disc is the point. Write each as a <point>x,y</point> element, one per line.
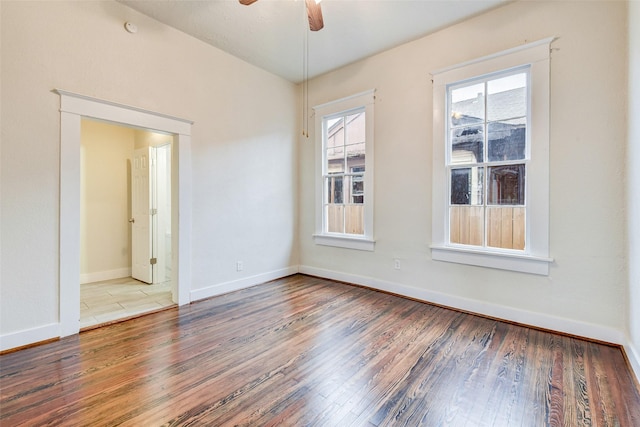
<point>344,171</point>
<point>487,151</point>
<point>491,161</point>
<point>344,134</point>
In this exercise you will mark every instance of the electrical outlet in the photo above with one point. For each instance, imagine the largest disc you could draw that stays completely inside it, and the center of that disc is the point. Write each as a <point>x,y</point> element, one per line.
<point>396,263</point>
<point>239,265</point>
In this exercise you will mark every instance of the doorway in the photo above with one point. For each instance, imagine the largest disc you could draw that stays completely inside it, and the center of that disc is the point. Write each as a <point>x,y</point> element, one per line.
<point>125,246</point>
<point>74,107</point>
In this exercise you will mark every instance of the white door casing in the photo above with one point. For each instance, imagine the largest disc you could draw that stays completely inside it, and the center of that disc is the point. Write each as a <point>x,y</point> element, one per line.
<point>73,107</point>
<point>141,221</point>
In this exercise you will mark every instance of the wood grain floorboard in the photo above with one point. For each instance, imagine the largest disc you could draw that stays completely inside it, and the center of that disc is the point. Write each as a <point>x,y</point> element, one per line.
<point>304,351</point>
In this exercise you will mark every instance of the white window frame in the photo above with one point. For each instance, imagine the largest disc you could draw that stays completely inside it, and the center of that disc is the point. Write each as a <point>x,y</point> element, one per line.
<point>535,258</point>
<point>363,101</point>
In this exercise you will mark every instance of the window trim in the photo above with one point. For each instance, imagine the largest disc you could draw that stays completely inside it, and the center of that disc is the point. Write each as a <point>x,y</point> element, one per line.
<point>535,259</point>
<point>362,101</point>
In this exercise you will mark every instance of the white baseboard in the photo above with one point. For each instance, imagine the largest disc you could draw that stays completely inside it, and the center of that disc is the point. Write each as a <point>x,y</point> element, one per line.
<point>105,275</point>
<point>245,282</point>
<point>540,320</point>
<point>29,336</point>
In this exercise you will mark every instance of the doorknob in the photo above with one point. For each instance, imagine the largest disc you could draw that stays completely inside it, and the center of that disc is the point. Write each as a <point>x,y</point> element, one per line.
<point>132,220</point>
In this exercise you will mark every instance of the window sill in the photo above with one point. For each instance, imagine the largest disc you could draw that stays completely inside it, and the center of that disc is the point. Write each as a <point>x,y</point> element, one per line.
<point>341,241</point>
<point>503,261</point>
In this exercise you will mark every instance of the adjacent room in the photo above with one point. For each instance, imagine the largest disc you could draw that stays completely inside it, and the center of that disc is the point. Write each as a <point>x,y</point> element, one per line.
<point>336,213</point>
<point>125,174</point>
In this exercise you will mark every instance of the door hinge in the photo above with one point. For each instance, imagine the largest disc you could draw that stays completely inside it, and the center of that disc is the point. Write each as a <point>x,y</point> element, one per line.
<point>153,261</point>
<point>153,211</point>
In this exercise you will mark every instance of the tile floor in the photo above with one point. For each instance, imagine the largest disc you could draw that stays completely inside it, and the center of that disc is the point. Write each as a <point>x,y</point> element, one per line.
<point>104,302</point>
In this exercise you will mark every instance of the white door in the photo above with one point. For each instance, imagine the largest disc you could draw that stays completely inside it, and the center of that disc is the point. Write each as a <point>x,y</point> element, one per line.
<point>141,241</point>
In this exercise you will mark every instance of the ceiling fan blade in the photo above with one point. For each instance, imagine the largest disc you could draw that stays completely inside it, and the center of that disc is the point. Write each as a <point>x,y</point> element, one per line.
<point>247,2</point>
<point>315,15</point>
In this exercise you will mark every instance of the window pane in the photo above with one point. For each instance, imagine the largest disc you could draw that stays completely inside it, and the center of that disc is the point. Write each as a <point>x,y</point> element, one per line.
<point>334,189</point>
<point>506,185</point>
<point>466,186</point>
<point>467,145</point>
<point>507,97</point>
<point>506,227</point>
<point>507,140</point>
<point>355,155</point>
<point>335,132</point>
<point>332,122</point>
<point>355,128</point>
<point>335,218</point>
<point>467,105</point>
<point>334,156</point>
<point>354,219</point>
<point>466,225</point>
<point>357,189</point>
<point>335,159</point>
<point>353,189</point>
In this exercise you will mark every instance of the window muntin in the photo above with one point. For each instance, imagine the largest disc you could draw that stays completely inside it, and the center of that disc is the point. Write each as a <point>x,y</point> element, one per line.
<point>344,158</point>
<point>487,150</point>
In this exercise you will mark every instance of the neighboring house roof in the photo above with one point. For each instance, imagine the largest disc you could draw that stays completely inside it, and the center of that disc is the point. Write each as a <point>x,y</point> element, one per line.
<point>501,105</point>
<point>507,139</point>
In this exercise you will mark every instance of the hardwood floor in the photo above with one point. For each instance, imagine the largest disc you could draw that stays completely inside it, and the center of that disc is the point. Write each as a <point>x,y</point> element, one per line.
<point>307,351</point>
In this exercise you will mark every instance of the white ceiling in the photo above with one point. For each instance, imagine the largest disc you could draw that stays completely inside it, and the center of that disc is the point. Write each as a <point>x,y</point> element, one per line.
<point>271,33</point>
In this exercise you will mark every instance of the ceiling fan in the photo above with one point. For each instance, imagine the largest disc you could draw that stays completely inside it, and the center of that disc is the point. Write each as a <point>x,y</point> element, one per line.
<point>313,11</point>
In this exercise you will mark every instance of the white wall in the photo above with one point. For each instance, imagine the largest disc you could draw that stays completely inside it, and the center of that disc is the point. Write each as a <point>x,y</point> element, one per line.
<point>633,182</point>
<point>105,237</point>
<point>243,145</point>
<point>586,290</point>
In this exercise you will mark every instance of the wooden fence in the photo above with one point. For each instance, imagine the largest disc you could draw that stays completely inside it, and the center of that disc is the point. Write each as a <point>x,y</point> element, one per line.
<point>505,226</point>
<point>347,219</point>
